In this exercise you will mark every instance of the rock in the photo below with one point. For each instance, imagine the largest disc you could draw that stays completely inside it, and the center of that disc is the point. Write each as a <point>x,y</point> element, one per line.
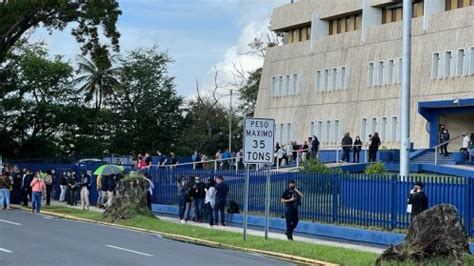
<point>129,200</point>
<point>436,232</point>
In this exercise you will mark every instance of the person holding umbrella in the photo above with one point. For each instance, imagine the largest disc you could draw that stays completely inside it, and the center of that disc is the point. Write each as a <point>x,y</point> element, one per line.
<point>107,172</point>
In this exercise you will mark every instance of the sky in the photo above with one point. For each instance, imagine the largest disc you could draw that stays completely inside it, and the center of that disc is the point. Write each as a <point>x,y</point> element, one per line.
<point>198,34</point>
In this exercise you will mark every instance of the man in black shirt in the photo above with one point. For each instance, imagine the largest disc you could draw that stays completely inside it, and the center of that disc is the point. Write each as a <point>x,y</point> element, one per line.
<point>221,200</point>
<point>418,200</point>
<point>292,198</point>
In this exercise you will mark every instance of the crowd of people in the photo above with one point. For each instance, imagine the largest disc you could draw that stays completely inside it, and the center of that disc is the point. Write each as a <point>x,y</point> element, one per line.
<point>20,187</point>
<point>199,200</point>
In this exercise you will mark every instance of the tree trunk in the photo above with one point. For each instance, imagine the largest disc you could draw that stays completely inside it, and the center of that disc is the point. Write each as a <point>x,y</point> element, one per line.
<point>129,200</point>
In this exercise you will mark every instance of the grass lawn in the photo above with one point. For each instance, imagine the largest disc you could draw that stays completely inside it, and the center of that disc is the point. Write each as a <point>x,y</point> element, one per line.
<point>337,255</point>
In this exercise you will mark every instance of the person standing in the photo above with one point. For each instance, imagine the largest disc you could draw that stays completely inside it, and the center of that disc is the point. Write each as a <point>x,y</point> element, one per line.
<point>49,181</point>
<point>199,197</point>
<point>149,192</point>
<point>466,141</point>
<point>38,187</point>
<point>314,147</point>
<point>103,190</point>
<point>111,183</point>
<point>5,184</point>
<point>183,194</point>
<point>357,148</point>
<point>417,200</point>
<point>25,187</point>
<point>210,200</point>
<point>221,200</point>
<point>444,138</point>
<point>71,186</point>
<point>346,147</point>
<point>374,147</point>
<point>292,199</point>
<point>63,187</point>
<point>85,187</point>
<point>17,180</point>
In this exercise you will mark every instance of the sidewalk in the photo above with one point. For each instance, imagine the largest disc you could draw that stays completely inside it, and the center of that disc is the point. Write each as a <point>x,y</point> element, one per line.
<point>258,232</point>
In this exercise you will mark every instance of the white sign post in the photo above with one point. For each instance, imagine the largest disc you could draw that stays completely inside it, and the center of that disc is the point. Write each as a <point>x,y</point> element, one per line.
<point>259,141</point>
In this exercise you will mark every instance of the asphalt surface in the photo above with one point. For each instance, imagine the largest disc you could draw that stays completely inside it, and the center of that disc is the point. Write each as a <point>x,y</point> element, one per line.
<point>26,239</point>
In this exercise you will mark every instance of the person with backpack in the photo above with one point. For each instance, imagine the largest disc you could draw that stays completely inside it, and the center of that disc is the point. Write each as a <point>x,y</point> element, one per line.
<point>38,187</point>
<point>49,181</point>
<point>85,188</point>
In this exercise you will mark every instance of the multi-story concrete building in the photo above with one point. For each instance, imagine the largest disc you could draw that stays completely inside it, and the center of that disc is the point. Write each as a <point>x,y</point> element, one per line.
<point>338,70</point>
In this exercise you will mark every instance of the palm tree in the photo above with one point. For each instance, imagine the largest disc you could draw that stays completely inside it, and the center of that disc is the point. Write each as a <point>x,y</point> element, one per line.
<point>98,80</point>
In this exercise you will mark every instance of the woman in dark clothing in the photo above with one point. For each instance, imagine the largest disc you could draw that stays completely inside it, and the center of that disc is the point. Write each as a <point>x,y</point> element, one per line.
<point>49,181</point>
<point>357,149</point>
<point>17,180</point>
<point>374,147</point>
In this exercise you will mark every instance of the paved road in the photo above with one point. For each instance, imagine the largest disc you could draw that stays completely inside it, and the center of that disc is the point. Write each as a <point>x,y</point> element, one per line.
<point>41,240</point>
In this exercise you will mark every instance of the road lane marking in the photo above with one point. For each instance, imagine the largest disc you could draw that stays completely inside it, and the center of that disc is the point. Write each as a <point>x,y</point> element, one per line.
<point>6,250</point>
<point>129,250</point>
<point>9,222</point>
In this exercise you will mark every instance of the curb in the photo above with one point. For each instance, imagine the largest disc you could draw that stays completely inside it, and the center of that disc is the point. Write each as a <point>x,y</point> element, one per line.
<point>286,257</point>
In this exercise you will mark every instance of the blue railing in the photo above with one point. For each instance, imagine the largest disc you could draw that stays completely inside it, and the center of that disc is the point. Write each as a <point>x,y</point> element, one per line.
<point>359,200</point>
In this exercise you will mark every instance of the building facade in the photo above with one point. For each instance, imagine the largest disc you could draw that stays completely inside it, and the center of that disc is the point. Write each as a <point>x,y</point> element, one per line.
<point>338,70</point>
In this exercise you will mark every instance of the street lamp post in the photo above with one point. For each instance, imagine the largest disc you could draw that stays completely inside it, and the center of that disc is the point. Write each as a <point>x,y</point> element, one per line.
<point>230,122</point>
<point>406,83</point>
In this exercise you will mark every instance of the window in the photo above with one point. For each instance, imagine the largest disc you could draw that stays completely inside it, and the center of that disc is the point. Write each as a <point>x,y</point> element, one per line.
<point>288,90</point>
<point>334,79</point>
<point>383,129</point>
<point>328,131</point>
<point>288,133</point>
<point>399,73</point>
<point>363,129</point>
<point>435,66</point>
<point>282,133</point>
<point>373,125</point>
<point>312,126</point>
<point>460,69</point>
<point>455,4</point>
<point>471,61</point>
<point>299,34</point>
<point>370,76</point>
<point>342,79</point>
<point>296,88</point>
<point>448,56</point>
<point>319,129</point>
<point>336,130</point>
<point>273,86</point>
<point>326,79</point>
<point>318,80</point>
<point>280,86</point>
<point>380,73</point>
<point>395,132</point>
<point>390,68</point>
<point>345,24</point>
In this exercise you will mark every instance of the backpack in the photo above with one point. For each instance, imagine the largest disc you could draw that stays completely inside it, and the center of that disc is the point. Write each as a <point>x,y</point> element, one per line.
<point>233,207</point>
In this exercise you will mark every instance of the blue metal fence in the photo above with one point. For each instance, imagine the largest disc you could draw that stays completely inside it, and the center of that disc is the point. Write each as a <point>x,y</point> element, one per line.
<point>362,200</point>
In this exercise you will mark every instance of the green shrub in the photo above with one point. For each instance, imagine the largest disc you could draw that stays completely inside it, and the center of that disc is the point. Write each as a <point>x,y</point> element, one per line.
<point>315,166</point>
<point>375,168</point>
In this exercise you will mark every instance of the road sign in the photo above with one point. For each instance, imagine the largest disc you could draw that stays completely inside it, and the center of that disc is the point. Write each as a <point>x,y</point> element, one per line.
<point>259,136</point>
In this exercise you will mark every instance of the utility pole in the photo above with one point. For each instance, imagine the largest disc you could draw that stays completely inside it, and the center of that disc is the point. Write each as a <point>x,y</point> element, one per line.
<point>406,83</point>
<point>230,122</point>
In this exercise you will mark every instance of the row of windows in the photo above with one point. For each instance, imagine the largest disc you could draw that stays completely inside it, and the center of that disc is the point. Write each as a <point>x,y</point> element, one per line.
<point>345,24</point>
<point>333,79</point>
<point>286,85</point>
<point>450,64</point>
<point>283,133</point>
<point>455,4</point>
<point>395,12</point>
<point>387,127</point>
<point>385,72</point>
<point>328,131</point>
<point>299,34</point>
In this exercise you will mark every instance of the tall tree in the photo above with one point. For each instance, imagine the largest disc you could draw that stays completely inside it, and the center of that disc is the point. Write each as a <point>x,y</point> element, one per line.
<point>18,16</point>
<point>148,109</point>
<point>98,78</point>
<point>249,93</point>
